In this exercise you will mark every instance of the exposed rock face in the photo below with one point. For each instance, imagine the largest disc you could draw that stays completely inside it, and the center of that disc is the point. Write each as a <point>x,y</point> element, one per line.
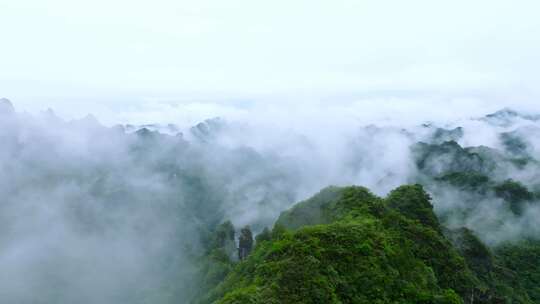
<point>245,243</point>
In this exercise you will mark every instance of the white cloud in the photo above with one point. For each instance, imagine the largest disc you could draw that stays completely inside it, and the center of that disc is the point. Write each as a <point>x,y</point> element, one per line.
<point>109,51</point>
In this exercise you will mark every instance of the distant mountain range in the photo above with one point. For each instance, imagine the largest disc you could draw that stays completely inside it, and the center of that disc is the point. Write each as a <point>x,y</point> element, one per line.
<point>224,212</point>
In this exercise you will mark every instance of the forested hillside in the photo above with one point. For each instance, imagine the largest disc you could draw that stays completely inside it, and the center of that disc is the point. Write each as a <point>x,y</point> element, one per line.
<point>159,214</point>
<point>346,245</point>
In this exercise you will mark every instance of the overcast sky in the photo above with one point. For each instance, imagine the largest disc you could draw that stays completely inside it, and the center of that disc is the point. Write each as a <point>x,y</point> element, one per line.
<point>170,60</point>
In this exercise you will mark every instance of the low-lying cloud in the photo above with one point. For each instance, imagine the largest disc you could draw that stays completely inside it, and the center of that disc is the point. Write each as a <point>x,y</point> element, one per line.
<point>118,214</point>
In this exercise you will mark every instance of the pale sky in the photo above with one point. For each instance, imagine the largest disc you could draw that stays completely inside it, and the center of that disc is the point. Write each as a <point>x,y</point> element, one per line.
<point>124,60</point>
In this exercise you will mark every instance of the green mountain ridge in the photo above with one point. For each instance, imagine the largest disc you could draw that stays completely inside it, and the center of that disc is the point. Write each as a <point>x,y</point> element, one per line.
<point>346,245</point>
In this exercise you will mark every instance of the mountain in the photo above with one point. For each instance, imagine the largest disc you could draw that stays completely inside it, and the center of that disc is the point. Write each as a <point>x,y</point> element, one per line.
<point>507,117</point>
<point>346,245</point>
<point>147,214</point>
<point>6,108</point>
<point>170,129</point>
<point>207,130</point>
<point>442,135</point>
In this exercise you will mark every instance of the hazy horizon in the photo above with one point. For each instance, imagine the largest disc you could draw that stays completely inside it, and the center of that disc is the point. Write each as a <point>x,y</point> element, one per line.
<point>388,95</point>
<point>168,61</point>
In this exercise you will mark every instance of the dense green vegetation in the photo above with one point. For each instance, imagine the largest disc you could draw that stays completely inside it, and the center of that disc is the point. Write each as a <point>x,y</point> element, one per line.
<point>91,214</point>
<point>515,194</point>
<point>475,172</point>
<point>319,250</point>
<point>523,258</point>
<point>436,159</point>
<point>501,284</point>
<point>346,245</point>
<point>469,181</point>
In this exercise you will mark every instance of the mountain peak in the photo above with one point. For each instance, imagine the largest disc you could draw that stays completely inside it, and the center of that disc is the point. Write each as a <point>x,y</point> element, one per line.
<point>6,107</point>
<point>505,112</point>
<point>507,117</point>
